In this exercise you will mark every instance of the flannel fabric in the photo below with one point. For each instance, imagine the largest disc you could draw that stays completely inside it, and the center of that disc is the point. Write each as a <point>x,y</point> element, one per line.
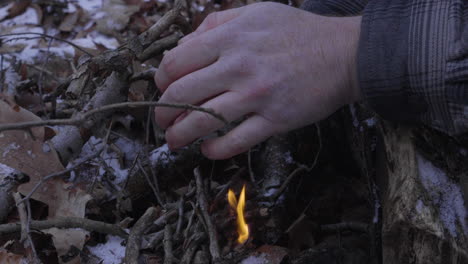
<point>412,58</point>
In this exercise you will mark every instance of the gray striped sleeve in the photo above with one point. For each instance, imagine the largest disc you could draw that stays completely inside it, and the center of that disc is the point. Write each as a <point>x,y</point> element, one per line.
<point>413,61</point>
<point>334,7</point>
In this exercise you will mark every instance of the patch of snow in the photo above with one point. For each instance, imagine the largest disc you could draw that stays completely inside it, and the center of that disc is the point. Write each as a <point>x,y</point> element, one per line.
<point>28,54</point>
<point>377,205</point>
<point>85,43</point>
<point>288,158</point>
<point>419,206</point>
<point>7,149</point>
<point>445,194</point>
<point>71,8</point>
<point>4,11</point>
<point>31,154</point>
<point>6,170</point>
<point>255,260</point>
<point>129,148</point>
<point>108,42</point>
<point>110,158</point>
<point>270,192</point>
<point>29,17</point>
<point>111,252</point>
<point>11,79</point>
<point>370,122</point>
<point>161,155</point>
<point>90,5</point>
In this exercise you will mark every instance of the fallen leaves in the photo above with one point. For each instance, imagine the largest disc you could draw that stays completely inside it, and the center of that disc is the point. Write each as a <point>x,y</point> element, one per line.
<point>27,152</point>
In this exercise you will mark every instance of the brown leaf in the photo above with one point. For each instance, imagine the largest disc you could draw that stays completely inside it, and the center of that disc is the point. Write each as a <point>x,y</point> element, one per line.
<point>10,258</point>
<point>27,152</point>
<point>18,8</point>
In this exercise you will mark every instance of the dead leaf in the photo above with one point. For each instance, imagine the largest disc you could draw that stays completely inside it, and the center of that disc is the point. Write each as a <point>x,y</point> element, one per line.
<point>70,21</point>
<point>28,153</point>
<point>18,8</point>
<point>10,258</point>
<point>117,16</point>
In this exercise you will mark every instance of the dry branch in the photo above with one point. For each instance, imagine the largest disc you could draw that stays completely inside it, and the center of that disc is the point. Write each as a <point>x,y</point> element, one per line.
<point>67,222</point>
<point>211,229</point>
<point>135,236</point>
<point>168,257</point>
<point>82,118</point>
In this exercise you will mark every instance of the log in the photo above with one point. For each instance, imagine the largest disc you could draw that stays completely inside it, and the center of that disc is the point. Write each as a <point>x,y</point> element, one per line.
<point>424,216</point>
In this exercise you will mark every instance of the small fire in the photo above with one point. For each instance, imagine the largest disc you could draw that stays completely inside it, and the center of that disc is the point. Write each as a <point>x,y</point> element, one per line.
<point>242,227</point>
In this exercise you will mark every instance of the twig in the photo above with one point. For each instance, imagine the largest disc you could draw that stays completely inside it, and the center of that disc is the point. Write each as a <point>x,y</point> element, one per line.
<point>67,222</point>
<point>25,219</point>
<point>155,191</point>
<point>298,170</point>
<point>147,75</point>
<point>203,204</point>
<point>134,238</point>
<point>23,215</point>
<point>181,217</point>
<point>168,257</point>
<point>76,121</point>
<point>194,243</point>
<point>58,174</point>
<point>189,225</point>
<point>159,46</point>
<point>47,36</point>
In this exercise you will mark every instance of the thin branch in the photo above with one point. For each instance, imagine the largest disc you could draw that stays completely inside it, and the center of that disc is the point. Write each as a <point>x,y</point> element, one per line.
<point>211,230</point>
<point>155,191</point>
<point>67,222</point>
<point>79,119</point>
<point>167,242</point>
<point>47,36</point>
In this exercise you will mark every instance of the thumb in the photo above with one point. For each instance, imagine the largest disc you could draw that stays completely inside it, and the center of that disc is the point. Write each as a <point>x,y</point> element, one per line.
<point>213,20</point>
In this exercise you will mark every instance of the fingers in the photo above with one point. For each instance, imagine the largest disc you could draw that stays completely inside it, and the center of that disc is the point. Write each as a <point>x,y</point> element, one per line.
<point>192,89</point>
<point>213,20</point>
<point>198,124</point>
<point>186,59</point>
<point>249,133</point>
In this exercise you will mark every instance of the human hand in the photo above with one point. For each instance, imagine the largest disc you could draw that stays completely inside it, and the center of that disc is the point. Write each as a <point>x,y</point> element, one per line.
<point>281,67</point>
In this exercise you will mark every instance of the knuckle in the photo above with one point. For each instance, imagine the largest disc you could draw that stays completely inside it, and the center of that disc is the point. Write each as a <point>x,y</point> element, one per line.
<point>211,20</point>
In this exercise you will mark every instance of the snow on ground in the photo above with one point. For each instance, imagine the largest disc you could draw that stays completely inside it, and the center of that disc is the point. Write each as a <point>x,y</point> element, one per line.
<point>161,155</point>
<point>445,194</point>
<point>255,260</point>
<point>29,17</point>
<point>6,170</point>
<point>111,252</point>
<point>111,159</point>
<point>90,5</point>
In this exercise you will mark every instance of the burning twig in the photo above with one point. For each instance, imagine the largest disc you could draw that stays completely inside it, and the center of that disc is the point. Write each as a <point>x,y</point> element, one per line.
<point>239,206</point>
<point>134,239</point>
<point>212,234</point>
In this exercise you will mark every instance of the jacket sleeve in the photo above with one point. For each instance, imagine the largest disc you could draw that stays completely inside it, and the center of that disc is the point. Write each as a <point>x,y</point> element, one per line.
<point>412,58</point>
<point>413,61</point>
<point>334,7</point>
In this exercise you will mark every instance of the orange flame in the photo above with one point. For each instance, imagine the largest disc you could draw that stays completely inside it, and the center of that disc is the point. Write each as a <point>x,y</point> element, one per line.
<point>242,227</point>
